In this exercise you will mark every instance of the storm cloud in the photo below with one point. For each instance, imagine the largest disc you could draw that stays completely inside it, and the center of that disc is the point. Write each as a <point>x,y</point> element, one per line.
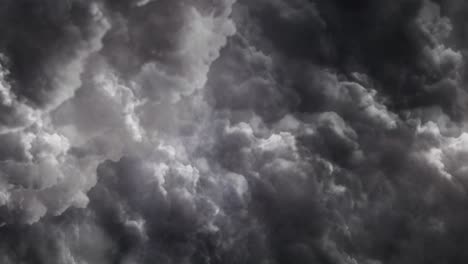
<point>200,131</point>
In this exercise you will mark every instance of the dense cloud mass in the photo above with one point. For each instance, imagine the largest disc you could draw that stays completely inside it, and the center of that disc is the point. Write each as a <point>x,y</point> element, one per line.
<point>243,132</point>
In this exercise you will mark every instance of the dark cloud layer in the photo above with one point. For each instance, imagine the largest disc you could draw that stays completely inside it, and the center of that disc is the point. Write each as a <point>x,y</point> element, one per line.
<point>198,131</point>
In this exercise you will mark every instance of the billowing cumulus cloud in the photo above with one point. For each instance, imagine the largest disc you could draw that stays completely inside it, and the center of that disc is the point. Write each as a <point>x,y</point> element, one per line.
<point>199,131</point>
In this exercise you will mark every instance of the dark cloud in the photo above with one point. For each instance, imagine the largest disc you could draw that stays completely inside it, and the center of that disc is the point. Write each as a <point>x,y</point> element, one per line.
<point>199,131</point>
<point>397,43</point>
<point>45,44</point>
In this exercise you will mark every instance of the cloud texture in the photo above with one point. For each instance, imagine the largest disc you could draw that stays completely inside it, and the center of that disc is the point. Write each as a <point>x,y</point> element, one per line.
<point>265,131</point>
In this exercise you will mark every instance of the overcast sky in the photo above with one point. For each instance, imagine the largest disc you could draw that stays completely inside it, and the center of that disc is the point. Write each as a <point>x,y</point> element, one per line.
<point>233,132</point>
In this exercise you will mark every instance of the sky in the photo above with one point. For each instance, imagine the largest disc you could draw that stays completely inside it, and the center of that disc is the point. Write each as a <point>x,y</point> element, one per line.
<point>233,132</point>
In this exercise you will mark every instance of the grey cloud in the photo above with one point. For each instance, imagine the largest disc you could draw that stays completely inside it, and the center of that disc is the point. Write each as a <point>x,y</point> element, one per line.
<point>199,131</point>
<point>46,45</point>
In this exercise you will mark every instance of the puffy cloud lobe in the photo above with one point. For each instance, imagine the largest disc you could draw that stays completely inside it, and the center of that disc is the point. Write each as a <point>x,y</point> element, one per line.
<point>47,51</point>
<point>43,177</point>
<point>168,46</point>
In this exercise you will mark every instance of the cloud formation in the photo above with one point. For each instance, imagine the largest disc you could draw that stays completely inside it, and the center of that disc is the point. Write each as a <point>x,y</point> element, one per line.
<point>199,131</point>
